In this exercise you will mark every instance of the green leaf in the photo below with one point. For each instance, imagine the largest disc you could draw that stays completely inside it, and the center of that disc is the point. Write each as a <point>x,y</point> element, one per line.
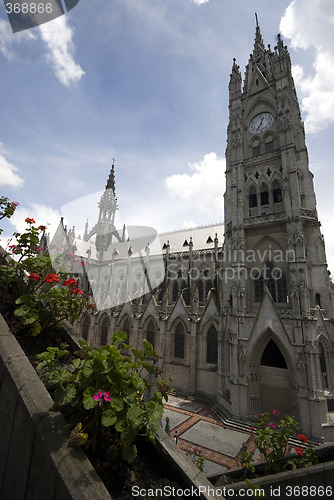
<point>136,353</point>
<point>60,376</point>
<point>117,403</point>
<point>154,416</point>
<point>135,415</point>
<point>108,418</point>
<point>64,395</point>
<point>129,453</point>
<point>76,363</point>
<point>87,399</point>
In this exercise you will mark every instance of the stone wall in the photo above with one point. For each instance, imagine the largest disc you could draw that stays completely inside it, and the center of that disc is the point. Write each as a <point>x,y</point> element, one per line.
<point>35,461</point>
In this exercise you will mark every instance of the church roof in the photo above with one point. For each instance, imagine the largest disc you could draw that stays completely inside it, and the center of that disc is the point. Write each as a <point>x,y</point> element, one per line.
<point>146,240</point>
<point>202,238</point>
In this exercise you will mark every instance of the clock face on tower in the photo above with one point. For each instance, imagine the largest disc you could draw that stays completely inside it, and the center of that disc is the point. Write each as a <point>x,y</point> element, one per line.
<point>261,122</point>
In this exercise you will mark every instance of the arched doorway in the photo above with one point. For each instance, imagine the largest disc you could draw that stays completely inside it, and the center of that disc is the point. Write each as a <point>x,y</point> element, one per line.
<point>275,386</point>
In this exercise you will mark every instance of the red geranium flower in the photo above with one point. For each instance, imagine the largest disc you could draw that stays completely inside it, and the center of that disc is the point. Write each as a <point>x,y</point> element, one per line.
<point>42,228</point>
<point>300,451</point>
<point>70,282</point>
<point>302,438</point>
<point>49,278</point>
<point>34,276</point>
<point>77,291</point>
<point>30,221</point>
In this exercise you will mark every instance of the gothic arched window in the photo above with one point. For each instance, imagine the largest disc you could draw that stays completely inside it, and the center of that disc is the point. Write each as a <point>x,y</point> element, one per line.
<point>200,289</point>
<point>318,299</point>
<point>256,147</point>
<point>185,292</point>
<point>264,195</point>
<point>208,286</point>
<point>276,283</point>
<point>160,295</point>
<point>281,288</point>
<point>268,143</point>
<point>252,201</point>
<point>85,328</point>
<point>175,293</point>
<point>212,345</point>
<point>277,193</point>
<point>150,333</point>
<point>179,341</point>
<point>126,328</point>
<point>272,356</point>
<point>323,366</point>
<point>258,287</point>
<point>104,331</point>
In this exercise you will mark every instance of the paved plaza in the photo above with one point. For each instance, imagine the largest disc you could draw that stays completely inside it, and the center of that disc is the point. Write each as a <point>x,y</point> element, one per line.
<point>201,432</point>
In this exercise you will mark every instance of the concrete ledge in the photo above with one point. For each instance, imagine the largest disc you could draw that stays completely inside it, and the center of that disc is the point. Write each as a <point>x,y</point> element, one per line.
<point>192,477</point>
<point>319,476</point>
<point>35,462</point>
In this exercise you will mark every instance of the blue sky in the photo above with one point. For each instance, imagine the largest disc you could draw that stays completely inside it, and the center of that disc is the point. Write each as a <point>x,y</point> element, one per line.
<point>145,82</point>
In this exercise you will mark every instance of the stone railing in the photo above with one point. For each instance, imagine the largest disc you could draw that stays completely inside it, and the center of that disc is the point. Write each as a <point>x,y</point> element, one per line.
<point>35,460</point>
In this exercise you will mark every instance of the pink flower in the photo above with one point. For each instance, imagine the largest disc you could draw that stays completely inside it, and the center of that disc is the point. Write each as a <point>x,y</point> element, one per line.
<point>102,395</point>
<point>106,397</point>
<point>83,263</point>
<point>273,426</point>
<point>97,396</point>
<point>275,412</point>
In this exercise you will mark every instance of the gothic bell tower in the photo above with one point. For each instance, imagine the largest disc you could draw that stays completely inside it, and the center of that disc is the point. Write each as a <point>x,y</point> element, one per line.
<point>277,294</point>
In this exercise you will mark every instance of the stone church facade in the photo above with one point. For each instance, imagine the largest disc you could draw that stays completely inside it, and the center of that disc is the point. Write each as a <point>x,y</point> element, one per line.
<point>241,313</point>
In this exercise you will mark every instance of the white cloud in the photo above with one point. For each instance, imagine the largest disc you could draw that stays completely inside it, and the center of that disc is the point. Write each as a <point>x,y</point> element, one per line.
<point>7,38</point>
<point>200,2</point>
<point>310,26</point>
<point>8,175</point>
<point>58,37</point>
<point>203,188</point>
<point>42,214</point>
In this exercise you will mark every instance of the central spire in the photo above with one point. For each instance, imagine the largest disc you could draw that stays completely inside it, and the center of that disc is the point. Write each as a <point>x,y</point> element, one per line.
<point>111,181</point>
<point>258,43</point>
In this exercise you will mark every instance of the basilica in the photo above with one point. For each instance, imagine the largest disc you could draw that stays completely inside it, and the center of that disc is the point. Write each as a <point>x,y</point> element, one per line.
<point>241,312</point>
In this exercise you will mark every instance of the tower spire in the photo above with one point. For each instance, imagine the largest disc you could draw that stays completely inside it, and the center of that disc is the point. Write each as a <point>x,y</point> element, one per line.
<point>258,43</point>
<point>111,180</point>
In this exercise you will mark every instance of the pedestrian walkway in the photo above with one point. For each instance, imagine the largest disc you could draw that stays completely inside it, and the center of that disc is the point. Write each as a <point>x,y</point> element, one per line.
<point>200,432</point>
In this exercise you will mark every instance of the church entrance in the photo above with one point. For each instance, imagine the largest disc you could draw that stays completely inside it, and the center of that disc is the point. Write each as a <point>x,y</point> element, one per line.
<point>275,389</point>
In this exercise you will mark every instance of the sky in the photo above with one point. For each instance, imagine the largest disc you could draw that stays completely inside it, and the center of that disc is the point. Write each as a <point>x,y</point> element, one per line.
<point>145,82</point>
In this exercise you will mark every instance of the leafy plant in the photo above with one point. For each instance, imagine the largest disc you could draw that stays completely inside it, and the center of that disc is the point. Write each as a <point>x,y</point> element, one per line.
<point>41,296</point>
<point>109,395</point>
<point>7,208</point>
<point>272,442</point>
<point>198,460</point>
<point>246,461</point>
<point>257,491</point>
